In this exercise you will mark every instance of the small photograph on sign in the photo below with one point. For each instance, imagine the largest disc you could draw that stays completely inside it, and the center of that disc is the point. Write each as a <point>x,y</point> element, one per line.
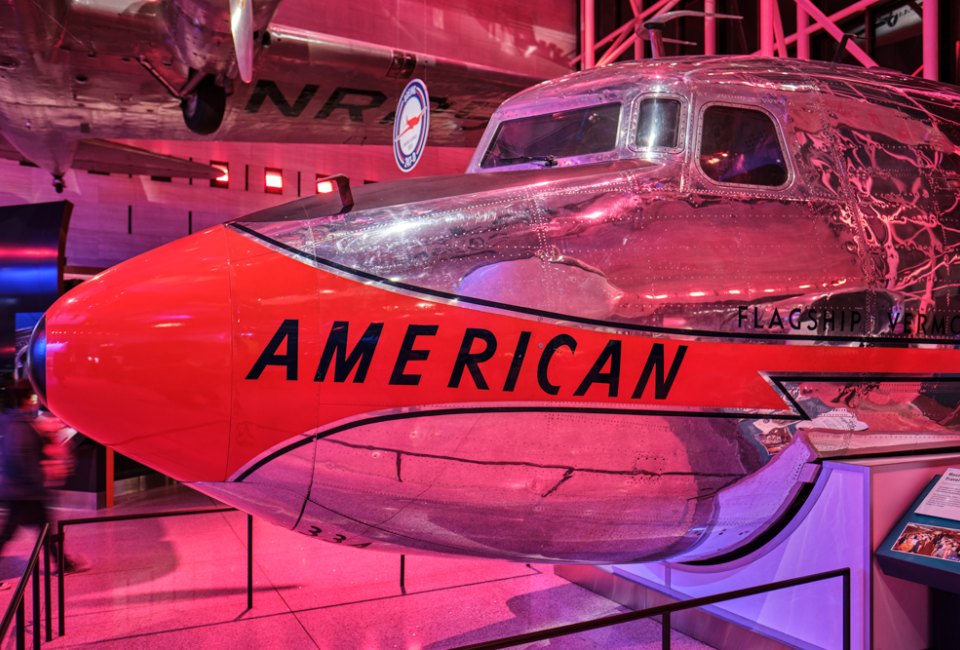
<point>931,541</point>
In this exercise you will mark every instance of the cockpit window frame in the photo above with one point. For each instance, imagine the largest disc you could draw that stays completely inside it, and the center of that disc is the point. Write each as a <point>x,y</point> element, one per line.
<point>682,126</point>
<point>781,139</point>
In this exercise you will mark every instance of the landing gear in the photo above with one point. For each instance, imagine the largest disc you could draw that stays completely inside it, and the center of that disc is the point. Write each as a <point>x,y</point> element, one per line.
<point>58,183</point>
<point>203,109</point>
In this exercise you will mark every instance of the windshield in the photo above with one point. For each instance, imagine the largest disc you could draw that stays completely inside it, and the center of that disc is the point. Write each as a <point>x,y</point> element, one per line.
<point>544,138</point>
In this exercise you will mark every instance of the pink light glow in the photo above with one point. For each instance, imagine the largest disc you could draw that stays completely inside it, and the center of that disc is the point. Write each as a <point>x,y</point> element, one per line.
<point>324,187</point>
<point>273,180</point>
<point>21,252</point>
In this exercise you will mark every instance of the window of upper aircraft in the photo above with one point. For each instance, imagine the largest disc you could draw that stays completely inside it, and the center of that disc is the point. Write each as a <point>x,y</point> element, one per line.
<point>740,145</point>
<point>658,123</point>
<point>545,138</point>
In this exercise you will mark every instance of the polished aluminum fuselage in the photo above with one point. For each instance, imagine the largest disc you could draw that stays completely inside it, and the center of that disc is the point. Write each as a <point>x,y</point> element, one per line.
<point>618,358</point>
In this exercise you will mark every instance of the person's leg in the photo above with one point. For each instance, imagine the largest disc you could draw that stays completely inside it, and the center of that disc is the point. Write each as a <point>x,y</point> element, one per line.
<point>71,563</point>
<point>15,514</point>
<point>40,515</point>
<point>14,521</point>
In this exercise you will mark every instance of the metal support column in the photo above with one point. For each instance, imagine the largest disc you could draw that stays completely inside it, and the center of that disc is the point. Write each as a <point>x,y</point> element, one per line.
<point>803,36</point>
<point>709,27</point>
<point>931,39</point>
<point>766,27</point>
<point>587,38</point>
<point>637,43</point>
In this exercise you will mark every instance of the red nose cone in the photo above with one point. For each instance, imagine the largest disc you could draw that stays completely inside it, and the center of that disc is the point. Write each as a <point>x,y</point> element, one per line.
<point>139,357</point>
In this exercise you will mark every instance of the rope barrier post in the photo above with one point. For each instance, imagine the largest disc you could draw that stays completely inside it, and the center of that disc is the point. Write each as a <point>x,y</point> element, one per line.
<point>61,616</point>
<point>403,574</point>
<point>47,603</point>
<point>36,606</point>
<point>249,561</point>
<point>665,631</point>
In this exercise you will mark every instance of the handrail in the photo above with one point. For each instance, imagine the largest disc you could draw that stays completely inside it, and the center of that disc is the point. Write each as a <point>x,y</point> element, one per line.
<point>61,536</point>
<point>142,515</point>
<point>666,610</point>
<point>16,607</point>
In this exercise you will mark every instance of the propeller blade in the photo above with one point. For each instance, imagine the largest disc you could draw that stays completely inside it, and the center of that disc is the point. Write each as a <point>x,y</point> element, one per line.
<point>241,26</point>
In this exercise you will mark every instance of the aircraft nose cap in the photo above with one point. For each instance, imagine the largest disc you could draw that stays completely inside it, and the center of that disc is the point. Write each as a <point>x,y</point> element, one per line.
<point>139,357</point>
<point>37,360</point>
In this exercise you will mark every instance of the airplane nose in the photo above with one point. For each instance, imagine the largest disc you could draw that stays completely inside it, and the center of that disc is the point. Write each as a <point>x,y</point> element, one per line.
<point>139,358</point>
<point>37,360</point>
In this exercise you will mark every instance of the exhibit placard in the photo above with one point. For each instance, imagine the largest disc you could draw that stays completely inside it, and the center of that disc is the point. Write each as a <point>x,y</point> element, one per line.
<point>944,499</point>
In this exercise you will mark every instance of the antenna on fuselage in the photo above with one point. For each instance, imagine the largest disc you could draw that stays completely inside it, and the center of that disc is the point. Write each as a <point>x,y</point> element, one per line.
<point>842,47</point>
<point>652,30</point>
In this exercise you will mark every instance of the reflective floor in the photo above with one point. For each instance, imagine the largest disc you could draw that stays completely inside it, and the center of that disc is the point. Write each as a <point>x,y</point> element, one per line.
<point>181,583</point>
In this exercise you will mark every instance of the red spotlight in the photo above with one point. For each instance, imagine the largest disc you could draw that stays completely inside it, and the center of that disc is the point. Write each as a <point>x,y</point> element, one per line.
<point>273,181</point>
<point>324,186</point>
<point>224,179</point>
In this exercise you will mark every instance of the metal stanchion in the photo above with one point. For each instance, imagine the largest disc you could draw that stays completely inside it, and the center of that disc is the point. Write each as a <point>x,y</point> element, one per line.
<point>37,623</point>
<point>249,561</point>
<point>62,619</point>
<point>48,605</point>
<point>665,631</point>
<point>21,624</point>
<point>403,574</point>
<point>666,610</point>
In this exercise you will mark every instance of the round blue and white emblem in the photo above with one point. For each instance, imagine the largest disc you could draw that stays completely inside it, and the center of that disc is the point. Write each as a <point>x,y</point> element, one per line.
<point>411,124</point>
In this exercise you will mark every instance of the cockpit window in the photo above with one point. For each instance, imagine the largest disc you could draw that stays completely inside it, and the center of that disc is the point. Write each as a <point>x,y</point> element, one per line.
<point>544,138</point>
<point>740,145</point>
<point>659,123</point>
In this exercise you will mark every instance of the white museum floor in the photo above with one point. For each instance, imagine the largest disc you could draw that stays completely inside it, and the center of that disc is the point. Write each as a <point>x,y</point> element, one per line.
<point>181,583</point>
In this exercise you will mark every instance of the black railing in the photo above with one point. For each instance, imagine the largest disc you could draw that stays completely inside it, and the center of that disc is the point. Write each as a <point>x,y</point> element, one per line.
<point>666,610</point>
<point>61,535</point>
<point>16,608</point>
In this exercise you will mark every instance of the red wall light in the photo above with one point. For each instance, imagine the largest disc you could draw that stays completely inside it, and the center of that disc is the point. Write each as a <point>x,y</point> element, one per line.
<point>324,186</point>
<point>224,179</point>
<point>273,181</point>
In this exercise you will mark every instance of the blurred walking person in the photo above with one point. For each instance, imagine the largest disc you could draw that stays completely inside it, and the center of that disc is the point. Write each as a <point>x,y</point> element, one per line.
<point>27,468</point>
<point>23,493</point>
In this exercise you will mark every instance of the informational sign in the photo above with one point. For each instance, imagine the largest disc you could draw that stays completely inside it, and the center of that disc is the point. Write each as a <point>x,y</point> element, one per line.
<point>925,548</point>
<point>944,499</point>
<point>411,125</point>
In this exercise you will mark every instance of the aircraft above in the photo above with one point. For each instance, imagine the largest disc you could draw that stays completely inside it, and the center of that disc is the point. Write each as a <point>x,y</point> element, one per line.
<point>662,295</point>
<point>73,75</point>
